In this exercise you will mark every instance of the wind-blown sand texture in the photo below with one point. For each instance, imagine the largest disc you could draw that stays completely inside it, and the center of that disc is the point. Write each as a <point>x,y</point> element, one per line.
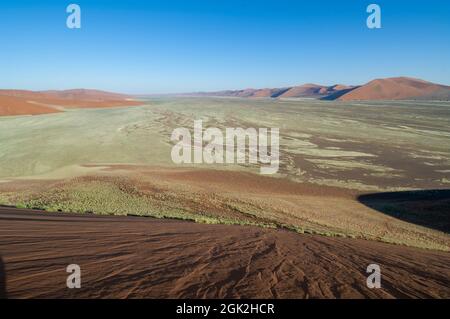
<point>126,257</point>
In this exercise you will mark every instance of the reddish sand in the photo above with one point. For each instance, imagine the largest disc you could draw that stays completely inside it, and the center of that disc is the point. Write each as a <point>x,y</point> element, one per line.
<point>339,87</point>
<point>130,257</point>
<point>242,182</point>
<point>10,105</point>
<point>305,90</point>
<point>83,94</point>
<point>264,93</point>
<point>400,88</point>
<point>21,102</point>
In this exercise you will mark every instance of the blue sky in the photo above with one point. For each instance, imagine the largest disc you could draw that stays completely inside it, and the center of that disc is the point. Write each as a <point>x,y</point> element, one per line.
<point>190,45</point>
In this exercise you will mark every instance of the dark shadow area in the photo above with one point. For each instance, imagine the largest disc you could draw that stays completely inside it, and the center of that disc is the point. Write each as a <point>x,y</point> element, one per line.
<point>279,92</point>
<point>429,208</point>
<point>338,94</point>
<point>2,280</point>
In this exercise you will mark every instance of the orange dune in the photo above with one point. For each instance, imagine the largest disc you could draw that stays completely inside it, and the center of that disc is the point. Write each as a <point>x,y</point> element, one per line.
<point>305,90</point>
<point>11,105</point>
<point>339,87</point>
<point>265,92</point>
<point>399,88</point>
<point>22,102</point>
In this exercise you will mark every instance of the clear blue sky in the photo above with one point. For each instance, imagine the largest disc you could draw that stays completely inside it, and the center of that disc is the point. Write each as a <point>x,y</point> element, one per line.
<point>190,45</point>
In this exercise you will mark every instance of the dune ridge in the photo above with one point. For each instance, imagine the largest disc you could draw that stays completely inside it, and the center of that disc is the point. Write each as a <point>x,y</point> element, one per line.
<point>135,257</point>
<point>308,90</point>
<point>396,88</point>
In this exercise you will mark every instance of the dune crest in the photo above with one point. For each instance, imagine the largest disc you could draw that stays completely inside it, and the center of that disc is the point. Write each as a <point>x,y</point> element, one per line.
<point>398,88</point>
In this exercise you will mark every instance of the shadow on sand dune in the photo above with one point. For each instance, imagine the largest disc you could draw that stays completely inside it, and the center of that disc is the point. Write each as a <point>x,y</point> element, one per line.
<point>428,208</point>
<point>2,280</point>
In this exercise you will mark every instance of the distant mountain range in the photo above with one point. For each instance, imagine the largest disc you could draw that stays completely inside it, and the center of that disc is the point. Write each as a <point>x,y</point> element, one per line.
<point>398,88</point>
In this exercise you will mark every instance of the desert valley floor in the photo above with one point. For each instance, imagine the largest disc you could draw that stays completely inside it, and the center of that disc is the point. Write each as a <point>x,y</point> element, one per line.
<point>359,183</point>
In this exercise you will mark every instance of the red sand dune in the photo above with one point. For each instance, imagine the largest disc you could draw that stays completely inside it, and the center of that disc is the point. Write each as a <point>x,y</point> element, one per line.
<point>84,94</point>
<point>23,102</point>
<point>11,105</point>
<point>400,88</point>
<point>251,93</point>
<point>339,87</point>
<point>316,91</point>
<point>305,90</point>
<point>267,92</point>
<point>132,257</point>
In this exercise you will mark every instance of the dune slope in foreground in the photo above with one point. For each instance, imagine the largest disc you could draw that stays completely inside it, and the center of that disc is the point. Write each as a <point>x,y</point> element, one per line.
<point>128,257</point>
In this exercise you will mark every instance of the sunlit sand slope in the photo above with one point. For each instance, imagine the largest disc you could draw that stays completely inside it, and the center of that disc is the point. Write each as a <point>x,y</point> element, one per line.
<point>125,257</point>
